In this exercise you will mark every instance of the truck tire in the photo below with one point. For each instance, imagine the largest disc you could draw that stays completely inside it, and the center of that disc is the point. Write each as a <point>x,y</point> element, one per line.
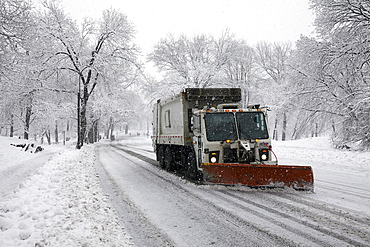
<point>160,154</point>
<point>169,159</point>
<point>191,169</point>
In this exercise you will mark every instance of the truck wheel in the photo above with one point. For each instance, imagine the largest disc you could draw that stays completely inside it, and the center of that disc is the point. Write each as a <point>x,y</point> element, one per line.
<point>168,159</point>
<point>191,169</point>
<point>160,154</point>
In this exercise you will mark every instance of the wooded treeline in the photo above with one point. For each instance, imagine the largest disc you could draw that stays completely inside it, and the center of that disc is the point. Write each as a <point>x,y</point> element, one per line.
<point>55,71</point>
<point>316,86</point>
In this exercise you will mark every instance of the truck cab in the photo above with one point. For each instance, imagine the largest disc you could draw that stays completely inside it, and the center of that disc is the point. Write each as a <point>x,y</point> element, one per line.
<point>231,135</point>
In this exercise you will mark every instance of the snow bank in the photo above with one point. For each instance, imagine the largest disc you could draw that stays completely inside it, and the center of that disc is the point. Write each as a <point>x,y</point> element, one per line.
<point>11,155</point>
<point>61,205</point>
<point>318,152</point>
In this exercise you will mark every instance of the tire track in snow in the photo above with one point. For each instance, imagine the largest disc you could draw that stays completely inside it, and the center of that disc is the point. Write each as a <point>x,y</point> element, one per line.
<point>345,186</point>
<point>318,206</point>
<point>313,203</point>
<point>125,146</point>
<point>321,223</point>
<point>130,215</point>
<point>359,192</point>
<point>356,232</point>
<point>217,213</point>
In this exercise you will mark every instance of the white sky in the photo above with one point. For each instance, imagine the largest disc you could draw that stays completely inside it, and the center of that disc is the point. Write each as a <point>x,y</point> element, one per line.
<point>252,20</point>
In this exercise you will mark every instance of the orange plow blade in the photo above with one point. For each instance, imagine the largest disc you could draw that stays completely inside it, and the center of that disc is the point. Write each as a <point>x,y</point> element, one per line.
<point>297,177</point>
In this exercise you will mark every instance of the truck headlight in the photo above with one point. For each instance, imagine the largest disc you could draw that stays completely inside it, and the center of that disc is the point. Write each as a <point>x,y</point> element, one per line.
<point>264,155</point>
<point>213,156</point>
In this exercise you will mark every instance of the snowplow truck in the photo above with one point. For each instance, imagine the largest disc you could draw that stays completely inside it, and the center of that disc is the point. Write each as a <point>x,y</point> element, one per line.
<point>204,134</point>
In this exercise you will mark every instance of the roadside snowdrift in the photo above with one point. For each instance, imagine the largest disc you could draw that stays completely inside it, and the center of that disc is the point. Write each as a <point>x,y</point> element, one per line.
<point>319,153</point>
<point>61,205</point>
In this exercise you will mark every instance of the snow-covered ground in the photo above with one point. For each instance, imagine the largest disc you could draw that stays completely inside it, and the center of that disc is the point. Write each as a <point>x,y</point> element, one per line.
<point>319,153</point>
<point>61,203</point>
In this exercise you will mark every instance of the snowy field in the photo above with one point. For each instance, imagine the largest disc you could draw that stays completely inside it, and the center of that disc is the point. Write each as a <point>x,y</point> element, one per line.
<point>60,201</point>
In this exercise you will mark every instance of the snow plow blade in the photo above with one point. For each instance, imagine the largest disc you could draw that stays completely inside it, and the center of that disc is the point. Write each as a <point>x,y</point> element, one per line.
<point>297,177</point>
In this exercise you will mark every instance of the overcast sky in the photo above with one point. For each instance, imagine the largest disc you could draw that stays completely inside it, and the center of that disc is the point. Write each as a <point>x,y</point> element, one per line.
<point>252,20</point>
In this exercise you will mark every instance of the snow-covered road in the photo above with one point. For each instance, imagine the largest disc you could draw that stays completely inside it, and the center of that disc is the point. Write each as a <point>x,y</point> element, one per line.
<point>66,200</point>
<point>175,212</point>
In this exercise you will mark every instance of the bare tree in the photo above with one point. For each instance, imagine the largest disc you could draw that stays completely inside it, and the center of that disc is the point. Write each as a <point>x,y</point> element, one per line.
<point>15,21</point>
<point>92,53</point>
<point>240,69</point>
<point>335,70</point>
<point>272,60</point>
<point>195,61</point>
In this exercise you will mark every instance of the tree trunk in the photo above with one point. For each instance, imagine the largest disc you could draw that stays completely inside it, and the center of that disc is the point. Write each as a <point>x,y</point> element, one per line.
<point>93,132</point>
<point>333,128</point>
<point>90,135</point>
<point>56,132</point>
<point>110,130</point>
<point>47,133</point>
<point>112,137</point>
<point>275,134</point>
<point>96,132</point>
<point>83,124</point>
<point>67,134</point>
<point>82,117</point>
<point>11,125</point>
<point>246,97</point>
<point>27,122</point>
<point>295,131</point>
<point>283,134</point>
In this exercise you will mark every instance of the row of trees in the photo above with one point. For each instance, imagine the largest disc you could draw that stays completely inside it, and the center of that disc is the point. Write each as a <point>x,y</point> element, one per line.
<point>261,71</point>
<point>321,85</point>
<point>53,71</point>
<point>334,70</point>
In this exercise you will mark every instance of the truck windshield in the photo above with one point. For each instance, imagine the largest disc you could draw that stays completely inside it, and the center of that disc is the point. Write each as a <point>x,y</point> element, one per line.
<point>222,126</point>
<point>251,125</point>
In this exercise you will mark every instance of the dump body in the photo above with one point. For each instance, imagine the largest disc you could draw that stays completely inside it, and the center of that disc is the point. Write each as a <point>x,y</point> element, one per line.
<point>205,134</point>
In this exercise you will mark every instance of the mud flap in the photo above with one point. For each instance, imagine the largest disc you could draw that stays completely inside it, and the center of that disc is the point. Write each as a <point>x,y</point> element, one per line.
<point>297,177</point>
